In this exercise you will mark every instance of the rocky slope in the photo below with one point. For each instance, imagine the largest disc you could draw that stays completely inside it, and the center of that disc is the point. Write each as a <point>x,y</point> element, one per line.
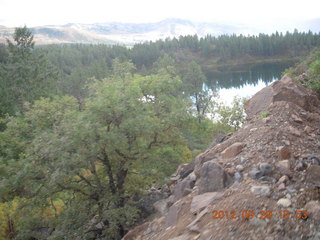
<point>262,182</point>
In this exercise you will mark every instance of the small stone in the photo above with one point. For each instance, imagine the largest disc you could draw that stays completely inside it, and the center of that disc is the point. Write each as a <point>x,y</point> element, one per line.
<point>286,142</point>
<point>265,168</point>
<point>296,118</point>
<point>281,187</point>
<point>283,165</point>
<point>232,150</point>
<point>308,129</point>
<point>238,176</point>
<point>283,179</point>
<point>239,168</point>
<point>231,171</point>
<point>313,160</point>
<point>243,160</point>
<point>255,174</point>
<point>284,152</point>
<point>294,131</point>
<point>301,166</point>
<point>266,120</point>
<point>284,202</point>
<point>261,191</point>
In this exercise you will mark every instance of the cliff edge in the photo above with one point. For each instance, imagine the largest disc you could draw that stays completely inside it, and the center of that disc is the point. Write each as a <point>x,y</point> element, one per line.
<point>263,182</point>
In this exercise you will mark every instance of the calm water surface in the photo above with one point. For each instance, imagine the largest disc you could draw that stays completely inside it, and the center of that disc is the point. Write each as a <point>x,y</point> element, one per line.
<point>244,81</point>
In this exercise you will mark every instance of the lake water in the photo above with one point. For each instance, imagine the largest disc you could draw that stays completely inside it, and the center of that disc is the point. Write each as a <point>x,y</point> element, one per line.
<point>244,81</point>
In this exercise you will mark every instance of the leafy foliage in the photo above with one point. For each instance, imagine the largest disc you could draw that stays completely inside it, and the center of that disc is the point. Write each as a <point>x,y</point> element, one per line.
<point>308,71</point>
<point>128,129</point>
<point>230,118</point>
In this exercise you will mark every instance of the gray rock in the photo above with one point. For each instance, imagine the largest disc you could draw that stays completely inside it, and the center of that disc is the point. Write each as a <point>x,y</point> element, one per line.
<point>173,214</point>
<point>238,176</point>
<point>212,178</point>
<point>265,168</point>
<point>255,174</point>
<point>300,166</point>
<point>261,191</point>
<point>181,188</point>
<point>161,206</point>
<point>239,168</point>
<point>268,179</point>
<point>313,160</point>
<point>243,160</point>
<point>199,202</point>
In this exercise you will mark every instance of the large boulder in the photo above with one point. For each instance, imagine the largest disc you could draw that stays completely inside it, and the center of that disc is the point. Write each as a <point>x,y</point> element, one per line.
<point>212,178</point>
<point>233,150</point>
<point>183,187</point>
<point>173,214</point>
<point>283,90</point>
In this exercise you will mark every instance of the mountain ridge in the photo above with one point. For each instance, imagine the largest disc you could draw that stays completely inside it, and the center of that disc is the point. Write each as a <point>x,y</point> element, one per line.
<point>132,33</point>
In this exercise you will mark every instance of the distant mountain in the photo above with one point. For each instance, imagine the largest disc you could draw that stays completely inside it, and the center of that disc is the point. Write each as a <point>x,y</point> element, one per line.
<point>130,33</point>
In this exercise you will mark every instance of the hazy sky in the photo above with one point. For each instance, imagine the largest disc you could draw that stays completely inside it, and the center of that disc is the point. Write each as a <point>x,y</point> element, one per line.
<point>44,12</point>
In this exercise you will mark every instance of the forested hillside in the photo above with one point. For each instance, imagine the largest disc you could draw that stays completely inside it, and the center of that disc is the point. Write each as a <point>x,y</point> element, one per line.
<point>73,65</point>
<point>87,129</point>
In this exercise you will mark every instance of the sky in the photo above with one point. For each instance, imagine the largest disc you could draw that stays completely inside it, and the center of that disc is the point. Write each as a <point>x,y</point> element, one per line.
<point>16,13</point>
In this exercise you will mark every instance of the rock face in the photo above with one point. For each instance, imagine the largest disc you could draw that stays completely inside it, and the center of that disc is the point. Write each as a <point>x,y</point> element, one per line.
<point>270,165</point>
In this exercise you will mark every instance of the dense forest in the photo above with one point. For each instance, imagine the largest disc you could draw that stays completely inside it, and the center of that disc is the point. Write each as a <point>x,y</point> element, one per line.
<point>87,129</point>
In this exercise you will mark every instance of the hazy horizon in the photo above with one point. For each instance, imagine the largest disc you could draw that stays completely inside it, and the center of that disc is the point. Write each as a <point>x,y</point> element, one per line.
<point>15,13</point>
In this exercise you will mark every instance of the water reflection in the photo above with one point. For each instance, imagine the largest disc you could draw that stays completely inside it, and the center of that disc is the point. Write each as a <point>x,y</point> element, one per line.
<point>237,77</point>
<point>244,81</point>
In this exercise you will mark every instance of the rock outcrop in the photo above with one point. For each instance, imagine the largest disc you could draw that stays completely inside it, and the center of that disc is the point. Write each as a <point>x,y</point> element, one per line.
<point>262,182</point>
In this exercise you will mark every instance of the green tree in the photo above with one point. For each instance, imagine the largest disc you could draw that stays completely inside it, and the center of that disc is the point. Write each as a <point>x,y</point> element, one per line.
<point>94,160</point>
<point>25,76</point>
<point>230,118</point>
<point>202,97</point>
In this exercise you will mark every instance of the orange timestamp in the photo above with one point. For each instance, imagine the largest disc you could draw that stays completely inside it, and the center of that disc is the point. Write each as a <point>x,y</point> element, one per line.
<point>250,214</point>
